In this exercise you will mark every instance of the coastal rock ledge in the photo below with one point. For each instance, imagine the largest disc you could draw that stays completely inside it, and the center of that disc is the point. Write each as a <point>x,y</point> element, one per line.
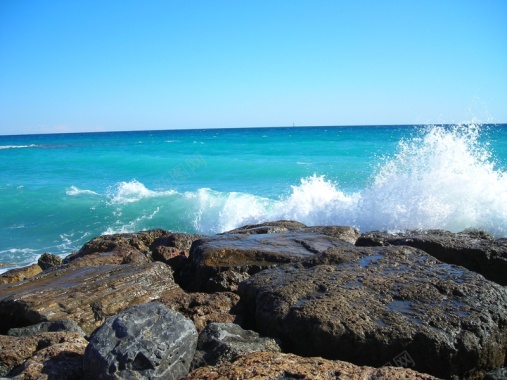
<point>277,300</point>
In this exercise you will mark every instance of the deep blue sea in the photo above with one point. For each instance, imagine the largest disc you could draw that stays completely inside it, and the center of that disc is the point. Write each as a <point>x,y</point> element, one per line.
<point>58,191</point>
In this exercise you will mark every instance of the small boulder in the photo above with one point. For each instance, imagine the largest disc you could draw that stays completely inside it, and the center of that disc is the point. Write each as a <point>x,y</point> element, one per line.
<point>48,261</point>
<point>147,341</point>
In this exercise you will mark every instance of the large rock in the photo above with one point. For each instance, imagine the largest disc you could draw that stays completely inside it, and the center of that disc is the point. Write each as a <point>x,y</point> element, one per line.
<point>275,365</point>
<point>220,263</point>
<point>147,341</point>
<point>224,342</point>
<point>57,353</point>
<point>86,295</point>
<point>474,250</point>
<point>368,306</point>
<point>203,308</point>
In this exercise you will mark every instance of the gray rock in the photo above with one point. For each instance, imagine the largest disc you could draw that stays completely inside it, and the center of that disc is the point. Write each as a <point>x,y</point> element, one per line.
<point>220,263</point>
<point>472,249</point>
<point>223,342</point>
<point>52,326</point>
<point>147,341</point>
<point>388,305</point>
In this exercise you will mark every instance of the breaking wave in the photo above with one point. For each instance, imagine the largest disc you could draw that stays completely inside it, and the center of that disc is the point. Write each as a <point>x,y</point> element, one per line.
<point>442,178</point>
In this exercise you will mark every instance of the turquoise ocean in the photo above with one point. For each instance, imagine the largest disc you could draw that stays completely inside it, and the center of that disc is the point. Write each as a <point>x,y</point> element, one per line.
<point>58,191</point>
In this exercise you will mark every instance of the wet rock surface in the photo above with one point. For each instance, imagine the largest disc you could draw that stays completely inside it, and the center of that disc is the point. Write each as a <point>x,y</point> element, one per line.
<point>53,355</point>
<point>279,366</point>
<point>348,234</point>
<point>474,250</point>
<point>147,341</point>
<point>369,305</point>
<point>220,263</point>
<point>86,295</point>
<point>224,342</point>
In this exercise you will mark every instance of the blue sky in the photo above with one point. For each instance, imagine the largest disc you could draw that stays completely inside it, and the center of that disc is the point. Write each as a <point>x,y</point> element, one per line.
<point>70,66</point>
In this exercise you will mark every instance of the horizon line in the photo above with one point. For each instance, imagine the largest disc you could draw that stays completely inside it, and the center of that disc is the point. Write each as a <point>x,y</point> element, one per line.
<point>261,127</point>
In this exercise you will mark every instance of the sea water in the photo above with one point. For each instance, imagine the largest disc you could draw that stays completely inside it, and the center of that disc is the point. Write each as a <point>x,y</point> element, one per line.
<point>58,191</point>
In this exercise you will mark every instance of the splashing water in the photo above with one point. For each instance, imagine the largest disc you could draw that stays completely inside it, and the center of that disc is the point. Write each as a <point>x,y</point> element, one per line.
<point>443,178</point>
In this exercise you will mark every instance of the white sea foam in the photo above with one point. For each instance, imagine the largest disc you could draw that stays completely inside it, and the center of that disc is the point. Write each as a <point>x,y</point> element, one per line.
<point>73,191</point>
<point>131,226</point>
<point>133,191</point>
<point>17,146</point>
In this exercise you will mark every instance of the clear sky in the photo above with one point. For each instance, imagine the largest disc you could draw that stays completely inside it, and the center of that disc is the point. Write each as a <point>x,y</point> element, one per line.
<point>69,66</point>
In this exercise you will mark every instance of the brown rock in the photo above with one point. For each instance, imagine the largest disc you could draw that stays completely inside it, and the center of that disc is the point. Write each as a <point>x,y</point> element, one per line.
<point>86,295</point>
<point>203,308</point>
<point>124,255</point>
<point>20,274</point>
<point>47,261</point>
<point>122,248</point>
<point>474,250</point>
<point>220,263</point>
<point>367,306</point>
<point>274,365</point>
<point>50,349</point>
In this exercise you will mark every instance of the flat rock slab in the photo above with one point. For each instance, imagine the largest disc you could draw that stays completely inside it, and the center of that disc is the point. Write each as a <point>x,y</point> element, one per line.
<point>367,306</point>
<point>473,250</point>
<point>221,262</point>
<point>147,341</point>
<point>275,365</point>
<point>86,295</point>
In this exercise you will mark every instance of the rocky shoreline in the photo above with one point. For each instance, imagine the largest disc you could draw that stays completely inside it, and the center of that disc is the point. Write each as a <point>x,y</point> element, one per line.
<point>278,300</point>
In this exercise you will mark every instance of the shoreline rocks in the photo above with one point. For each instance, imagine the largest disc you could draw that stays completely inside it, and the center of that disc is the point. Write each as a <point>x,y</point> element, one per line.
<point>320,294</point>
